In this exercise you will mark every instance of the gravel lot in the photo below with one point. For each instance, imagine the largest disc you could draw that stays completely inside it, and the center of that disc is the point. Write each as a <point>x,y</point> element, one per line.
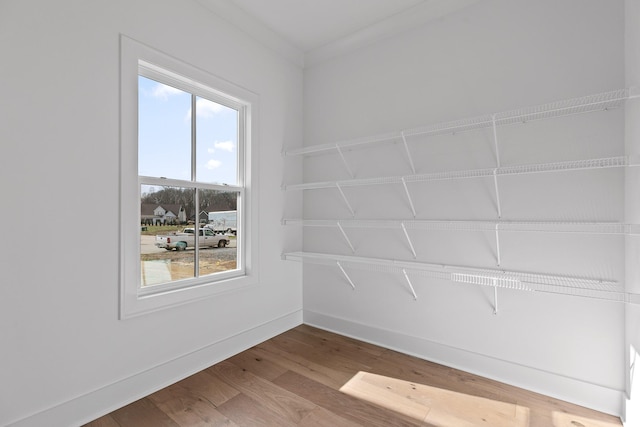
<point>179,264</point>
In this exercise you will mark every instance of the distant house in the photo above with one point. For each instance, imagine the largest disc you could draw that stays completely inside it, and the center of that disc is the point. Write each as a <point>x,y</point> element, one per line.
<point>203,217</point>
<point>165,214</point>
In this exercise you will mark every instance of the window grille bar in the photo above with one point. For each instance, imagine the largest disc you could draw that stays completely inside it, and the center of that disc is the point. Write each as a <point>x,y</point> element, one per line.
<point>170,182</point>
<point>196,196</point>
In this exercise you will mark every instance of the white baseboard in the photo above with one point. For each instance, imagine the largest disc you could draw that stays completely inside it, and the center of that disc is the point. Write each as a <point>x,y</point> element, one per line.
<point>94,404</point>
<point>600,398</point>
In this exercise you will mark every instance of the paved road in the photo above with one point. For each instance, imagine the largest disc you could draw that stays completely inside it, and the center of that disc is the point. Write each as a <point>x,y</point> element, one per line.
<point>148,245</point>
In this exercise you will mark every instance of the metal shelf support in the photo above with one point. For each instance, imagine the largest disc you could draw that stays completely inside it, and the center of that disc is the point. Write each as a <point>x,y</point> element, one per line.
<point>495,171</point>
<point>346,201</point>
<point>406,234</point>
<point>346,275</point>
<point>499,259</point>
<point>495,139</point>
<point>346,237</point>
<point>495,299</point>
<point>406,148</point>
<point>344,161</point>
<point>406,190</point>
<point>495,184</point>
<point>406,276</point>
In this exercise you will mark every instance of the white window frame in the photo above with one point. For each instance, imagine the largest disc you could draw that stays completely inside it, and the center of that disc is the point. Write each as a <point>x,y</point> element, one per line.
<point>139,59</point>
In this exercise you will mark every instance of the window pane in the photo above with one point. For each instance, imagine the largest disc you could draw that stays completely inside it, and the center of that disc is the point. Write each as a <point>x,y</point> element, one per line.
<point>216,143</point>
<point>220,252</point>
<point>166,238</point>
<point>164,130</point>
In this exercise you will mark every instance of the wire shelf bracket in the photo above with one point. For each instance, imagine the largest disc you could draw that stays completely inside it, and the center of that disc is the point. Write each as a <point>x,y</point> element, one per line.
<point>406,190</point>
<point>346,201</point>
<point>499,258</point>
<point>413,291</point>
<point>346,275</point>
<point>406,234</point>
<point>353,250</point>
<point>344,161</point>
<point>406,148</point>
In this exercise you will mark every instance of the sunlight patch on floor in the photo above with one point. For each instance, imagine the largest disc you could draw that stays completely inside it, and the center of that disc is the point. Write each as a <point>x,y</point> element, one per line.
<point>436,406</point>
<point>563,419</point>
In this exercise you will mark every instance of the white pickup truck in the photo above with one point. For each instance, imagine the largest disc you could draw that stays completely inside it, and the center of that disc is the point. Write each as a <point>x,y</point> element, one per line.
<point>186,239</point>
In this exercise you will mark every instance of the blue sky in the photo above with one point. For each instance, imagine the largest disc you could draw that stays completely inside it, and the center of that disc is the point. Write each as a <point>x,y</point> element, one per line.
<point>164,135</point>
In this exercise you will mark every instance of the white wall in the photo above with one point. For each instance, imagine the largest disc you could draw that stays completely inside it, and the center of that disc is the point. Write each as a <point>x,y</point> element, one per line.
<point>493,56</point>
<point>65,357</point>
<point>632,213</point>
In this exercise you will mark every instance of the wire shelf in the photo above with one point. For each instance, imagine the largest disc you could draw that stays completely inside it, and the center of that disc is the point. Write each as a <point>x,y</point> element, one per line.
<point>613,228</point>
<point>609,290</point>
<point>571,165</point>
<point>586,104</point>
<point>608,162</point>
<point>343,144</point>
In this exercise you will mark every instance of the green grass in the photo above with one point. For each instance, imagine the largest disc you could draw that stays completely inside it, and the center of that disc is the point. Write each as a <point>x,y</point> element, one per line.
<point>153,230</point>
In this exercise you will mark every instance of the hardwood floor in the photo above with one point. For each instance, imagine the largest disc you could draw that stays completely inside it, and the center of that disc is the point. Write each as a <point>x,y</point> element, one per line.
<point>309,377</point>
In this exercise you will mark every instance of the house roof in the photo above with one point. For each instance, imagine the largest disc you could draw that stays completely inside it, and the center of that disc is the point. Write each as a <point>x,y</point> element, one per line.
<point>147,209</point>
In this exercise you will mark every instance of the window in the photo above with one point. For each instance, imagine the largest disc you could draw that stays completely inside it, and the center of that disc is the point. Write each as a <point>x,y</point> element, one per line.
<point>185,148</point>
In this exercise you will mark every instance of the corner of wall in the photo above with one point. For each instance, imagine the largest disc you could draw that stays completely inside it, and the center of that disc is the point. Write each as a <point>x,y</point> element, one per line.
<point>632,216</point>
<point>91,405</point>
<point>572,390</point>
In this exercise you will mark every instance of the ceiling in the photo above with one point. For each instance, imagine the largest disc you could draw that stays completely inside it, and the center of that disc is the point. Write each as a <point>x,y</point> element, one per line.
<point>310,31</point>
<point>309,24</point>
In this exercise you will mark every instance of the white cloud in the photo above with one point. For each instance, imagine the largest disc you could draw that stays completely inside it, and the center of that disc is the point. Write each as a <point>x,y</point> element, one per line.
<point>225,145</point>
<point>163,91</point>
<point>206,108</point>
<point>222,145</point>
<point>213,164</point>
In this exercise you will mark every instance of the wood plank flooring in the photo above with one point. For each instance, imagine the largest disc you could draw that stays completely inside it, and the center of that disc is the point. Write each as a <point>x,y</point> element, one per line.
<point>309,377</point>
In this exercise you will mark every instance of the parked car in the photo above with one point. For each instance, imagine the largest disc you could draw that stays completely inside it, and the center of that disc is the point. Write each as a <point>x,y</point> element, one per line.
<point>186,239</point>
